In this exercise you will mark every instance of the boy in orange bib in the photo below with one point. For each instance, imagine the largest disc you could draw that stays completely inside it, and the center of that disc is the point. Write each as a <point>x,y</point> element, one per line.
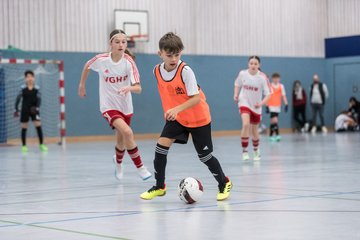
<point>274,106</point>
<point>186,112</point>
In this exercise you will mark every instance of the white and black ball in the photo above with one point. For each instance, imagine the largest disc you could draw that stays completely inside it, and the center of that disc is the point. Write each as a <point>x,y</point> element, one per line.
<point>190,190</point>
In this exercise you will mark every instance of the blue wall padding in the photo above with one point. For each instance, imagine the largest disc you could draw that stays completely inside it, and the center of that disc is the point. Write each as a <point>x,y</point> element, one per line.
<point>342,46</point>
<point>215,74</point>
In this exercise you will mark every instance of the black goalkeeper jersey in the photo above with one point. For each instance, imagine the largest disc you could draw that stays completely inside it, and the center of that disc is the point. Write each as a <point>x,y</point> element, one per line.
<point>30,98</point>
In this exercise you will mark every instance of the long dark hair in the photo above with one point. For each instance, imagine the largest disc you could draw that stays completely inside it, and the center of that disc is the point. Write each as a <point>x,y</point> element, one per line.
<point>294,84</point>
<point>114,32</point>
<point>353,99</point>
<point>254,57</point>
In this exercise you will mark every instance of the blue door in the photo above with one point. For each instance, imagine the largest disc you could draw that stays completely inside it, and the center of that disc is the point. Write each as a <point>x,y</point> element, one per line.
<point>347,84</point>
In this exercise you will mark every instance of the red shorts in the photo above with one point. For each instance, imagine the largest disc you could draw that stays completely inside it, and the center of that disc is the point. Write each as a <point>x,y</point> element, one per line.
<point>254,117</point>
<point>112,115</point>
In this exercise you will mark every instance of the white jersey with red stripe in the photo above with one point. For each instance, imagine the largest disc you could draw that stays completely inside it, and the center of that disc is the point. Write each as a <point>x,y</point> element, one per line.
<point>252,89</point>
<point>112,77</point>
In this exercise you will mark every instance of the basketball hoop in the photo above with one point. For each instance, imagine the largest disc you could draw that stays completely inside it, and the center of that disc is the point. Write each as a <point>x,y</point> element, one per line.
<point>131,43</point>
<point>132,39</point>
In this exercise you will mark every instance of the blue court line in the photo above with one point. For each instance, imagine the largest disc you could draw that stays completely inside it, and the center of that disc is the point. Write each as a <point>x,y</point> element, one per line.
<point>73,219</point>
<point>41,191</point>
<point>59,199</point>
<point>206,177</point>
<point>111,195</point>
<point>98,196</point>
<point>185,208</point>
<point>71,231</point>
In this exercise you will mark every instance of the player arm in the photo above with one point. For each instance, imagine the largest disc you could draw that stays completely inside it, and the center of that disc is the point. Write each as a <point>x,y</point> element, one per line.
<point>236,93</point>
<point>192,90</point>
<point>134,75</point>
<point>17,101</point>
<point>172,113</point>
<point>136,88</point>
<point>285,99</point>
<point>265,100</point>
<point>267,92</point>
<point>83,79</point>
<point>237,87</point>
<point>286,108</point>
<point>38,99</point>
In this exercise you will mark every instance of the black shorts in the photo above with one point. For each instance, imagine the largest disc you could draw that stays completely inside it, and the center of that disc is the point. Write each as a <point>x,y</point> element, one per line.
<point>201,136</point>
<point>274,114</point>
<point>24,118</point>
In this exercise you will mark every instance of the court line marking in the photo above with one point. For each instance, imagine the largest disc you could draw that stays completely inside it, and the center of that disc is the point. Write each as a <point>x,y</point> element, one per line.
<point>58,199</point>
<point>175,180</point>
<point>66,230</point>
<point>184,208</point>
<point>193,210</point>
<point>42,191</point>
<point>277,210</point>
<point>114,194</point>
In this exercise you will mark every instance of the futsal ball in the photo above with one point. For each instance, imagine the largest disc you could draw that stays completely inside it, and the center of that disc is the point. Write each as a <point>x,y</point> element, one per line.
<point>190,190</point>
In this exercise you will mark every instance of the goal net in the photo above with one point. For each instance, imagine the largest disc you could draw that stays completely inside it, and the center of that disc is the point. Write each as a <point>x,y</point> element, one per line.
<point>49,76</point>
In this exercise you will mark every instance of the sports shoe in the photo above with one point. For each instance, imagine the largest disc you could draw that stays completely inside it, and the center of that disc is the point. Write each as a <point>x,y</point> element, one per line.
<point>306,127</point>
<point>313,129</point>
<point>224,191</point>
<point>278,138</point>
<point>43,148</point>
<point>24,149</point>
<point>245,156</point>
<point>153,192</point>
<point>144,173</point>
<point>257,155</point>
<point>119,170</point>
<point>272,139</point>
<point>324,129</point>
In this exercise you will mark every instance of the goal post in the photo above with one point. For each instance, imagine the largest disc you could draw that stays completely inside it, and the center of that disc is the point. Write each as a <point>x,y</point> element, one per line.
<point>49,75</point>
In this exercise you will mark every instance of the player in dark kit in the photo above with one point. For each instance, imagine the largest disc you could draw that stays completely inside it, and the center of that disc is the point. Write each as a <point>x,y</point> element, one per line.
<point>31,100</point>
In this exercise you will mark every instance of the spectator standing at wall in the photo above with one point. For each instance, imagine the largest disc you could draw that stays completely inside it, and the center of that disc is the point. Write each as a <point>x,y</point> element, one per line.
<point>299,105</point>
<point>318,95</point>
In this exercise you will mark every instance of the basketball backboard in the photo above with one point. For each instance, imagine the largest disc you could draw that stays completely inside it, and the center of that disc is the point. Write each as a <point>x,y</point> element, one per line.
<point>134,23</point>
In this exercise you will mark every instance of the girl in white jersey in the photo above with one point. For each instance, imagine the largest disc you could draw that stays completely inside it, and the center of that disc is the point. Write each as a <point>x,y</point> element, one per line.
<point>250,87</point>
<point>118,77</point>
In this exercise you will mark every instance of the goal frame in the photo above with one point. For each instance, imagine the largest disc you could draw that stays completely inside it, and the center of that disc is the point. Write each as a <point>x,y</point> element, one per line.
<point>61,85</point>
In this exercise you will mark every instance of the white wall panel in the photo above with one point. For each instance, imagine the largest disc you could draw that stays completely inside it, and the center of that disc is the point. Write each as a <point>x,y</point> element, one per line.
<point>4,24</point>
<point>344,17</point>
<point>231,27</point>
<point>281,27</point>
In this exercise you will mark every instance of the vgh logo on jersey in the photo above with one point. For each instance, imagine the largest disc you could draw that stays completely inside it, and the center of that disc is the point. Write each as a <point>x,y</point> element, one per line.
<point>115,79</point>
<point>251,88</point>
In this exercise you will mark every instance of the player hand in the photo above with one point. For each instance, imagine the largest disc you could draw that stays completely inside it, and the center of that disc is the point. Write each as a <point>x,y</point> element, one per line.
<point>16,114</point>
<point>124,90</point>
<point>267,110</point>
<point>286,108</point>
<point>82,91</point>
<point>171,114</point>
<point>34,110</point>
<point>258,105</point>
<point>236,98</point>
